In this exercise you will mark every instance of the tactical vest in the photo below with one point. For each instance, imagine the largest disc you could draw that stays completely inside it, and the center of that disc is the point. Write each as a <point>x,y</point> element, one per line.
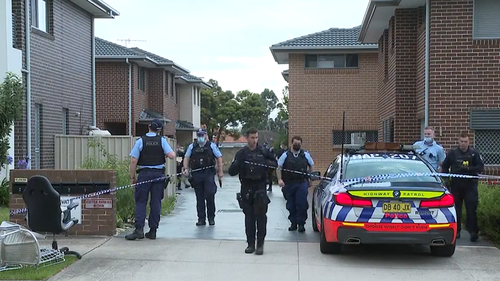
<point>257,170</point>
<point>201,156</point>
<point>464,159</point>
<point>293,163</point>
<point>152,153</point>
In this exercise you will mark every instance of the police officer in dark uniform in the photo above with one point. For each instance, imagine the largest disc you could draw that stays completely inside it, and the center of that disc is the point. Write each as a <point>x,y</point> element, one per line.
<point>148,154</point>
<point>295,185</point>
<point>465,160</point>
<point>203,154</point>
<point>253,197</point>
<point>270,174</point>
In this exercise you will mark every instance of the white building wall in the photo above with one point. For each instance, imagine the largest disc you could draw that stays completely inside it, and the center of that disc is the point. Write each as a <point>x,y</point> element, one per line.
<point>10,61</point>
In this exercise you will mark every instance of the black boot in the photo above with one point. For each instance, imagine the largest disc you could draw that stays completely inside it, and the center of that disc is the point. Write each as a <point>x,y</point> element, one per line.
<point>250,248</point>
<point>474,236</point>
<point>260,248</point>
<point>211,221</point>
<point>292,227</point>
<point>137,234</point>
<point>301,228</point>
<point>201,222</point>
<point>151,234</point>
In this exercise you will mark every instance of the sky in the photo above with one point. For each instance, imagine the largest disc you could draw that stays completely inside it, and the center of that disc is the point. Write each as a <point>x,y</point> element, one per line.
<point>226,40</point>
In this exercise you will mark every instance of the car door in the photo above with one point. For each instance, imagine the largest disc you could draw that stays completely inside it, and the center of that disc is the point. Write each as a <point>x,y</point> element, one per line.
<point>322,191</point>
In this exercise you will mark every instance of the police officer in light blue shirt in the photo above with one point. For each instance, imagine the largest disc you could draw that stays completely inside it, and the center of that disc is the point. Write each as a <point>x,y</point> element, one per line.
<point>430,150</point>
<point>148,156</point>
<point>203,155</point>
<point>295,186</point>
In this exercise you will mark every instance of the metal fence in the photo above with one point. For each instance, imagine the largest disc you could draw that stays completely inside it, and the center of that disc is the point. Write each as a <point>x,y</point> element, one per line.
<point>70,151</point>
<point>488,144</point>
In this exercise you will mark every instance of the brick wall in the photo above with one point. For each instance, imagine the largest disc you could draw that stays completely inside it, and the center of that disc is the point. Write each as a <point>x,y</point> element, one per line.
<point>170,108</point>
<point>464,73</point>
<point>94,221</point>
<point>327,92</point>
<point>139,97</point>
<point>111,92</point>
<point>61,76</point>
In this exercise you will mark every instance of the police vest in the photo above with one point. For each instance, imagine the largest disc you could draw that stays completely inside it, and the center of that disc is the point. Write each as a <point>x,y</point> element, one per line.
<point>293,163</point>
<point>257,168</point>
<point>202,156</point>
<point>462,159</point>
<point>152,151</point>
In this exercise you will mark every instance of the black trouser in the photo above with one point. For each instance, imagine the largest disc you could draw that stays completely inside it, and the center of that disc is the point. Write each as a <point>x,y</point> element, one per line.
<point>205,190</point>
<point>254,216</point>
<point>270,178</point>
<point>466,191</point>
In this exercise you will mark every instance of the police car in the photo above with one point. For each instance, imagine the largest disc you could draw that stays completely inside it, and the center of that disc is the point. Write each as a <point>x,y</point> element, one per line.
<point>415,209</point>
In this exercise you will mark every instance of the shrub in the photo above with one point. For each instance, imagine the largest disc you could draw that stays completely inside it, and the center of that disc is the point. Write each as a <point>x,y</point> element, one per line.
<point>488,211</point>
<point>125,205</point>
<point>4,193</point>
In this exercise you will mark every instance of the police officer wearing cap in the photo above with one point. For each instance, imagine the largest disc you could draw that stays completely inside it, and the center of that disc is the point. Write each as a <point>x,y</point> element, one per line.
<point>202,155</point>
<point>295,186</point>
<point>148,155</point>
<point>430,150</point>
<point>252,164</point>
<point>465,160</point>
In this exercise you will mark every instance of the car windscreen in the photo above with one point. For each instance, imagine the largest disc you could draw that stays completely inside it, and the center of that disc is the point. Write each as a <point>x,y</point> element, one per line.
<point>368,168</point>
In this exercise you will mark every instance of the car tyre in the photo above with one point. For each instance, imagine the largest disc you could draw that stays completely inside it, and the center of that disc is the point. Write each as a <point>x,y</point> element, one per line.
<point>443,251</point>
<point>328,247</point>
<point>313,215</point>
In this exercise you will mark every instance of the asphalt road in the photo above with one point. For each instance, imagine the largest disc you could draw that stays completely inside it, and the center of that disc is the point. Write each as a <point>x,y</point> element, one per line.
<point>184,251</point>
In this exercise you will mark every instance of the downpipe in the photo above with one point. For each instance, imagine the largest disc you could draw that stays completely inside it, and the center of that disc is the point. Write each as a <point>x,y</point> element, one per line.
<point>129,97</point>
<point>427,46</point>
<point>27,35</point>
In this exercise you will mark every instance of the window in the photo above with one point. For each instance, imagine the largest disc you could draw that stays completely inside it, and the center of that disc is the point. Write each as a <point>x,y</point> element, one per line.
<point>371,167</point>
<point>354,137</point>
<point>332,61</point>
<point>486,19</point>
<point>65,119</point>
<point>486,141</point>
<point>142,79</point>
<point>39,14</point>
<point>388,129</point>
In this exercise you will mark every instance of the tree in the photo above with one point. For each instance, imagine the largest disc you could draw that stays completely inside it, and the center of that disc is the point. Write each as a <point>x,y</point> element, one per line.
<point>219,109</point>
<point>282,116</point>
<point>270,100</point>
<point>251,108</point>
<point>11,103</point>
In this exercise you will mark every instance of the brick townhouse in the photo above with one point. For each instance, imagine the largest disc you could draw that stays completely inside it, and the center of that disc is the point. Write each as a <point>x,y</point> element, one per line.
<point>135,86</point>
<point>329,72</point>
<point>57,61</point>
<point>463,71</point>
<point>462,81</point>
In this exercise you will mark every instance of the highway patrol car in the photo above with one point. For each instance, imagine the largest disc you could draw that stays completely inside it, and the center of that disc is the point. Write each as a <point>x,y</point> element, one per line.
<point>406,210</point>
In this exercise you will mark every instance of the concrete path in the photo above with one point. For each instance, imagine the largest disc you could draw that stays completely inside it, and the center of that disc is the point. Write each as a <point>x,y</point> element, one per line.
<point>184,251</point>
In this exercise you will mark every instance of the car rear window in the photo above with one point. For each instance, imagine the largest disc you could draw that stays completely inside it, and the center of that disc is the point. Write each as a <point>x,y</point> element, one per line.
<point>372,167</point>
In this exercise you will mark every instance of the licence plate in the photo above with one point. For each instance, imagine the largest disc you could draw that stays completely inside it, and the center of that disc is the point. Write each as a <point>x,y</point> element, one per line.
<point>396,207</point>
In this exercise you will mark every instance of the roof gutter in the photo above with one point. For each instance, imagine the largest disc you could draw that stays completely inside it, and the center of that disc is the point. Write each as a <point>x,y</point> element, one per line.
<point>104,7</point>
<point>370,11</point>
<point>324,48</point>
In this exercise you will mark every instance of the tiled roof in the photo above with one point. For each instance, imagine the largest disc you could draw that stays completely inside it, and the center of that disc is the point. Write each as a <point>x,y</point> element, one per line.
<point>107,48</point>
<point>184,125</point>
<point>332,37</point>
<point>157,58</point>
<point>190,78</point>
<point>147,115</point>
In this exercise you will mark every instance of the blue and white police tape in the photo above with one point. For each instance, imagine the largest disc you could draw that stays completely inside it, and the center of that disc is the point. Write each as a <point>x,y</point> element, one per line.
<point>105,191</point>
<point>380,177</point>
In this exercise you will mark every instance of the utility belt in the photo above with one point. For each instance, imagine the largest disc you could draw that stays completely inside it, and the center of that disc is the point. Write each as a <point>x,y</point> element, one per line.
<point>292,181</point>
<point>151,169</point>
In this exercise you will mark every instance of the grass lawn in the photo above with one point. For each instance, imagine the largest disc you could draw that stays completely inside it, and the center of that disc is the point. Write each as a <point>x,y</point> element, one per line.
<point>33,273</point>
<point>4,214</point>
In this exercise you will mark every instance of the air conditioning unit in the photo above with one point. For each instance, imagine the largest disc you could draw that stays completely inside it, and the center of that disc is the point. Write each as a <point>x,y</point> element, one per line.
<point>358,138</point>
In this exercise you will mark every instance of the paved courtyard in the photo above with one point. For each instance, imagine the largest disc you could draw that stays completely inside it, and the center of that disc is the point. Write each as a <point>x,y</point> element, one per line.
<point>184,251</point>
